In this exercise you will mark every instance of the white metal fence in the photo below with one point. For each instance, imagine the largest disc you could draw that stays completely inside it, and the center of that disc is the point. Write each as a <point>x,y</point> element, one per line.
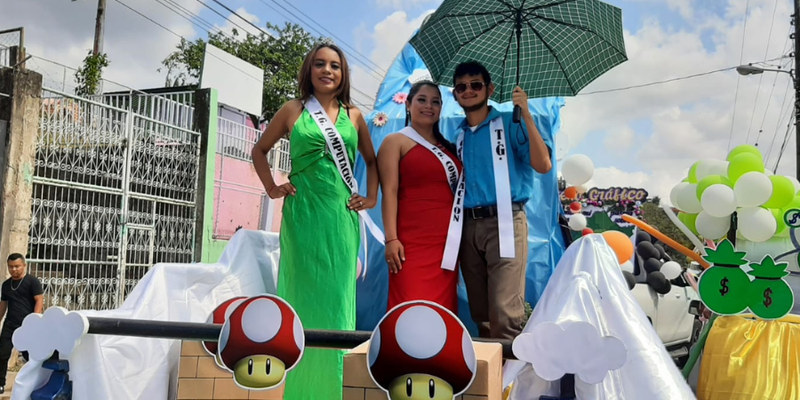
<point>240,199</point>
<point>114,192</point>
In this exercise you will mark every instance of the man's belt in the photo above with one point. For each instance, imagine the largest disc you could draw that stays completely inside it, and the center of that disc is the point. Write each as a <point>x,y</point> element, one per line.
<point>489,211</point>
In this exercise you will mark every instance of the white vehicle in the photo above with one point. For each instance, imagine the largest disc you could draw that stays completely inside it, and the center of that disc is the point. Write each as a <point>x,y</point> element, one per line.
<point>675,317</point>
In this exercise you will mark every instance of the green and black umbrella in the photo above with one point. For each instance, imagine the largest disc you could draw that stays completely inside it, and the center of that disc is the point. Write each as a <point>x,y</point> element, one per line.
<point>548,47</point>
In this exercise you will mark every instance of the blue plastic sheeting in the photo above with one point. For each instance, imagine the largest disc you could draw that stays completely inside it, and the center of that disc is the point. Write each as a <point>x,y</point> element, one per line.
<point>545,242</point>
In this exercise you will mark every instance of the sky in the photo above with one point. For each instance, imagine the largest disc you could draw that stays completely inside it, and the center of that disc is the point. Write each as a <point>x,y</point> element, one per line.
<point>644,137</point>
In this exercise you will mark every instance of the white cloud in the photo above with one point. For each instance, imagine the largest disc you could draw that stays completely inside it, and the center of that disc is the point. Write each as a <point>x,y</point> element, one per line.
<point>405,4</point>
<point>555,349</point>
<point>619,140</point>
<point>234,22</point>
<point>690,119</point>
<point>386,38</point>
<point>56,330</point>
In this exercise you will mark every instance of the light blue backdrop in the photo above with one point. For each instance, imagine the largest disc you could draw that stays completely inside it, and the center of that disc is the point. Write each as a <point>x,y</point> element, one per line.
<point>545,242</point>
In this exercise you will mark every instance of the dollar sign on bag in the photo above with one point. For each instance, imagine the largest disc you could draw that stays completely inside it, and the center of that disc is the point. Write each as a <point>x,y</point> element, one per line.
<point>723,286</point>
<point>770,296</point>
<point>724,283</point>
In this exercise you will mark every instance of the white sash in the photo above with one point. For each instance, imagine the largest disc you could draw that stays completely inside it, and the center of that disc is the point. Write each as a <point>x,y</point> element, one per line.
<point>502,186</point>
<point>339,152</point>
<point>450,258</point>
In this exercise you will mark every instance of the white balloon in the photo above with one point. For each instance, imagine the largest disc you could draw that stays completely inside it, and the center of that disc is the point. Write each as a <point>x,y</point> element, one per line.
<point>577,222</point>
<point>718,200</point>
<point>577,169</point>
<point>687,198</point>
<point>768,172</point>
<point>752,189</point>
<point>719,167</point>
<point>671,270</point>
<point>796,184</point>
<point>675,193</point>
<point>627,266</point>
<point>709,166</point>
<point>756,224</point>
<point>581,189</point>
<point>711,227</point>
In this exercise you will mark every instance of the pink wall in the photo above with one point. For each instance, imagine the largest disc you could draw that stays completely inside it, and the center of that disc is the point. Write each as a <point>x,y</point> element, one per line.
<point>238,197</point>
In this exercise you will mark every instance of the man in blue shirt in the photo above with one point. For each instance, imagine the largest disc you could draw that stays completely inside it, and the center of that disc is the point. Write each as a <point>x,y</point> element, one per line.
<point>494,245</point>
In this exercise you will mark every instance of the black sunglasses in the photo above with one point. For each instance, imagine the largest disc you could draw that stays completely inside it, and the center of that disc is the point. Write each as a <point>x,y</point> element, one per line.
<point>475,86</point>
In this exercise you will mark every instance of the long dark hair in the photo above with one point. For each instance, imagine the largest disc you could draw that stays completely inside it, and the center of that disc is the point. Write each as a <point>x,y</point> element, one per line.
<point>415,88</point>
<point>304,77</point>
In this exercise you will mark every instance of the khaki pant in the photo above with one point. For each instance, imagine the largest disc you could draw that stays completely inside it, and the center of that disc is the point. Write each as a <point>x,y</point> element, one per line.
<point>495,286</point>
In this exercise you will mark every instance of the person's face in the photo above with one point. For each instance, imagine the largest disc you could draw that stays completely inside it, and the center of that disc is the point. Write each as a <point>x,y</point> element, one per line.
<point>472,92</point>
<point>426,106</point>
<point>326,71</point>
<point>16,268</point>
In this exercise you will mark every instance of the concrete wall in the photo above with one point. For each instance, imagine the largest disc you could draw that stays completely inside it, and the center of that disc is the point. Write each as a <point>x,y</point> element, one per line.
<point>21,111</point>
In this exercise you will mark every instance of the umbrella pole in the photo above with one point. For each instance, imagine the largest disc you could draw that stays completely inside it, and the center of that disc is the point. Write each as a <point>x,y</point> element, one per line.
<point>517,109</point>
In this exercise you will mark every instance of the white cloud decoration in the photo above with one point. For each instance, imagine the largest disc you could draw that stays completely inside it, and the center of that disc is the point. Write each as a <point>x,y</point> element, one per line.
<point>56,329</point>
<point>572,347</point>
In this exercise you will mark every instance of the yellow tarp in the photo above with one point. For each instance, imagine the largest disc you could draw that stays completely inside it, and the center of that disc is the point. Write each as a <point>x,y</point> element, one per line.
<point>751,359</point>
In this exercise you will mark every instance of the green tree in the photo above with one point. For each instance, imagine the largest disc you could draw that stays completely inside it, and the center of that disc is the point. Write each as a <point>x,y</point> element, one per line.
<point>280,55</point>
<point>657,218</point>
<point>90,74</point>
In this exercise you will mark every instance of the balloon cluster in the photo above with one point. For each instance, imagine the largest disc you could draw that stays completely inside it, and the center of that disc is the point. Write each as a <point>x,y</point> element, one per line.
<point>715,189</point>
<point>577,170</point>
<point>655,262</point>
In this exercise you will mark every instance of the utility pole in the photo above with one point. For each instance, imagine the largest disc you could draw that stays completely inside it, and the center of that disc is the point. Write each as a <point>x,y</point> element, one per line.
<point>101,18</point>
<point>796,37</point>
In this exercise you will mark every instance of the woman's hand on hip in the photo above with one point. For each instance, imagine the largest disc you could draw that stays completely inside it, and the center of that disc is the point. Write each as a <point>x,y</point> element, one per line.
<point>279,191</point>
<point>395,256</point>
<point>358,202</point>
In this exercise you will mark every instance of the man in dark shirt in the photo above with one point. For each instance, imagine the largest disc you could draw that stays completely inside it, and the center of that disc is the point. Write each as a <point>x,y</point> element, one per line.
<point>20,295</point>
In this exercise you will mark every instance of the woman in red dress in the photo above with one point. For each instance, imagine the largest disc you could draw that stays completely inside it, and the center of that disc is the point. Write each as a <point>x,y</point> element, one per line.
<point>417,202</point>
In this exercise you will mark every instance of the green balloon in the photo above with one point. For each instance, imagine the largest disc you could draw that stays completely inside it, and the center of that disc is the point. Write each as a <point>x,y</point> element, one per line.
<point>782,192</point>
<point>689,220</point>
<point>710,180</point>
<point>778,215</point>
<point>742,149</point>
<point>744,163</point>
<point>693,173</point>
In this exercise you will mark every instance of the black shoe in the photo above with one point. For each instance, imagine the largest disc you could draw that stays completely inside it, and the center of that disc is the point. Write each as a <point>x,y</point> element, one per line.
<point>2,389</point>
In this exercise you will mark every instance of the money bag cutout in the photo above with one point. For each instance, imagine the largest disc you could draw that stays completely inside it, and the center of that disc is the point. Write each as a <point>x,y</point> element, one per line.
<point>724,285</point>
<point>768,295</point>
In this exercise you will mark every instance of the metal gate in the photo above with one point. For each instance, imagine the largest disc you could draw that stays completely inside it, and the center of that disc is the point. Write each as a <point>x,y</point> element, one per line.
<point>114,192</point>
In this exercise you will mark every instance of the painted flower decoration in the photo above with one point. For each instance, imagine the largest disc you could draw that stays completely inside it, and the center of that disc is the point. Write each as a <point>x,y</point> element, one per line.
<point>380,119</point>
<point>400,97</point>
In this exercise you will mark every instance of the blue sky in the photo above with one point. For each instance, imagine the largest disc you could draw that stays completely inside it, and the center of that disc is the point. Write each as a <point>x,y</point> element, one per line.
<point>646,137</point>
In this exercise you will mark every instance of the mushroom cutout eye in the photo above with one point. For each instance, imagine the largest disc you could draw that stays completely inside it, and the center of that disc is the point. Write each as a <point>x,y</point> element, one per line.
<point>421,332</point>
<point>261,320</point>
<point>420,387</point>
<point>259,372</point>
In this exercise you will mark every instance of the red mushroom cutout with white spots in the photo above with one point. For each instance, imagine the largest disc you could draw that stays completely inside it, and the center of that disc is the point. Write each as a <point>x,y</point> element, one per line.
<point>420,350</point>
<point>261,340</point>
<point>219,316</point>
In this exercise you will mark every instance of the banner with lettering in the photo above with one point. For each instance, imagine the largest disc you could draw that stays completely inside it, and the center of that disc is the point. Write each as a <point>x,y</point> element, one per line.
<point>604,207</point>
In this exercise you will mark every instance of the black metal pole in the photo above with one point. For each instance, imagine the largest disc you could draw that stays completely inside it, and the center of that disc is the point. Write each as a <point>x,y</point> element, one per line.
<point>323,339</point>
<point>517,110</point>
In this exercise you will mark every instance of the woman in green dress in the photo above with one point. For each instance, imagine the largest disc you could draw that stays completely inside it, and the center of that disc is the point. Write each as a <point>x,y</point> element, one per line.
<point>320,232</point>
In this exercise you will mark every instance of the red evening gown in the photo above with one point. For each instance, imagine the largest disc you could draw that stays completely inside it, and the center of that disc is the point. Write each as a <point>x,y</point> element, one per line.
<point>424,205</point>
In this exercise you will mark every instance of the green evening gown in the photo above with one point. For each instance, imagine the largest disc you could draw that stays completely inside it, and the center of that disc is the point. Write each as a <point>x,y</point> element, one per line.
<point>319,241</point>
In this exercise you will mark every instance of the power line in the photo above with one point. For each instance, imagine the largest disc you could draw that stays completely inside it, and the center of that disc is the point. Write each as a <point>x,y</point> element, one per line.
<point>680,78</point>
<point>221,15</point>
<point>761,78</point>
<point>187,15</point>
<point>241,17</point>
<point>738,78</point>
<point>774,82</point>
<point>378,68</point>
<point>779,123</point>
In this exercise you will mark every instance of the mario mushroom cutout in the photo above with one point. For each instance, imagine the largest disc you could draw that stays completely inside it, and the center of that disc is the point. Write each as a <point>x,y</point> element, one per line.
<point>261,340</point>
<point>219,316</point>
<point>420,350</point>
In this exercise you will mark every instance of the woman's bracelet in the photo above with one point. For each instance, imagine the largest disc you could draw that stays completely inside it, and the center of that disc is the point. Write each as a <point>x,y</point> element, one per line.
<point>391,240</point>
